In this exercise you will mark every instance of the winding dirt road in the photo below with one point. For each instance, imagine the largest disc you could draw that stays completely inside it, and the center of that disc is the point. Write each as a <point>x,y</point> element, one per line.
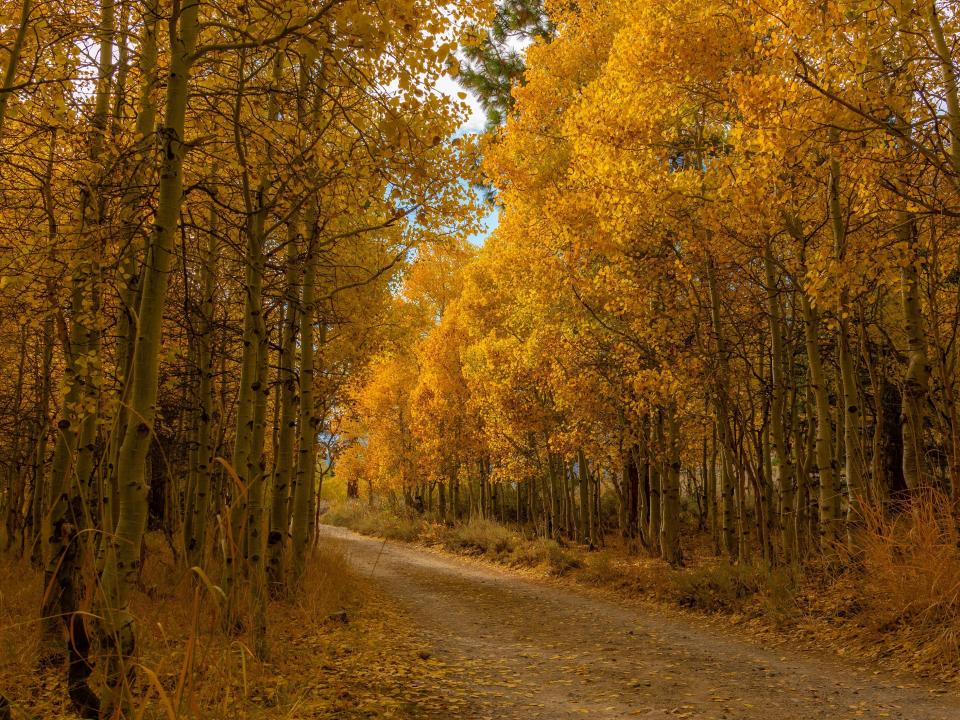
<point>530,650</point>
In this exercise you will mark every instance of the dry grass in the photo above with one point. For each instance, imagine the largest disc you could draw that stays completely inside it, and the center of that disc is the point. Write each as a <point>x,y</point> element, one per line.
<point>548,554</point>
<point>337,650</point>
<point>19,630</point>
<point>477,537</point>
<point>481,537</point>
<point>911,578</point>
<point>379,522</point>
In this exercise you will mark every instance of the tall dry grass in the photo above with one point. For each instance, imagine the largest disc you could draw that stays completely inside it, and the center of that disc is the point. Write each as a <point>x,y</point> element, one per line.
<point>19,626</point>
<point>186,666</point>
<point>911,575</point>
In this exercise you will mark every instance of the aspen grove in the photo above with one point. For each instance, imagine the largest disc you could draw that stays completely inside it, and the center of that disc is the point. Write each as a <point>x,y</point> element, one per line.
<point>724,286</point>
<point>205,206</point>
<point>246,289</point>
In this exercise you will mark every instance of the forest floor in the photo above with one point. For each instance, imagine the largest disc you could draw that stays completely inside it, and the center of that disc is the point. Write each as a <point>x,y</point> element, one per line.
<point>343,650</point>
<point>533,648</point>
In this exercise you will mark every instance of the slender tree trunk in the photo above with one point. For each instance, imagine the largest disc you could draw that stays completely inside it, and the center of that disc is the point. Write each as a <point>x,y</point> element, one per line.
<point>122,560</point>
<point>256,518</point>
<point>248,445</point>
<point>584,515</point>
<point>743,549</point>
<point>779,380</point>
<point>587,479</point>
<point>656,485</point>
<point>283,470</point>
<point>72,496</point>
<point>826,463</point>
<point>670,525</point>
<point>13,60</point>
<point>442,501</point>
<point>766,495</point>
<point>729,527</point>
<point>37,505</point>
<point>946,59</point>
<point>723,415</point>
<point>200,500</point>
<point>16,471</point>
<point>632,480</point>
<point>307,422</point>
<point>710,475</point>
<point>916,385</point>
<point>130,271</point>
<point>853,450</point>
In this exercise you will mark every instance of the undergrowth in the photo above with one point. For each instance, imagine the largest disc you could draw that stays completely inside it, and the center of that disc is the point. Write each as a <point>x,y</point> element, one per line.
<point>375,521</point>
<point>911,577</point>
<point>478,537</point>
<point>337,650</point>
<point>482,537</point>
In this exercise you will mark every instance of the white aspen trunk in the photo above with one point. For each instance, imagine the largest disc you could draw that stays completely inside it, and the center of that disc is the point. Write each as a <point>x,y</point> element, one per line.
<point>122,558</point>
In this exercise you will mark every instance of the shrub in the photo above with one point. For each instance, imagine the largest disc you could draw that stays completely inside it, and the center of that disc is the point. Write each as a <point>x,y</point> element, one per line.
<point>484,537</point>
<point>382,524</point>
<point>481,537</point>
<point>345,514</point>
<point>560,561</point>
<point>402,528</point>
<point>601,569</point>
<point>530,553</point>
<point>779,595</point>
<point>722,587</point>
<point>365,520</point>
<point>725,587</point>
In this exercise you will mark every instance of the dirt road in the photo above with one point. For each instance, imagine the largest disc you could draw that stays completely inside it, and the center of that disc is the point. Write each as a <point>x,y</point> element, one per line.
<point>534,651</point>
